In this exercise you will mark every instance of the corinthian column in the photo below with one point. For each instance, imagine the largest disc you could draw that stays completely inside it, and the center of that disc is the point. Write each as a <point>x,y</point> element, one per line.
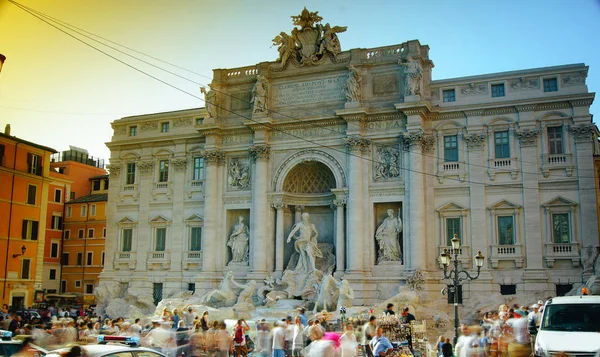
<point>212,158</point>
<point>279,207</point>
<point>357,148</point>
<point>340,244</point>
<point>259,214</point>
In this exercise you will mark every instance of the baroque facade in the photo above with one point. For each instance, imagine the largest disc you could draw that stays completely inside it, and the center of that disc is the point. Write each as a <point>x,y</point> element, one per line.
<point>389,164</point>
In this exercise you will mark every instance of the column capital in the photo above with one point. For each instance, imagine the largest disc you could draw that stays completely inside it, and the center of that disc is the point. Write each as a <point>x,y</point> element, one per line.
<point>214,157</point>
<point>145,166</point>
<point>419,138</point>
<point>278,205</point>
<point>475,141</point>
<point>583,133</point>
<point>357,143</point>
<point>179,164</point>
<point>260,152</point>
<point>114,169</point>
<point>528,136</point>
<point>340,202</point>
<point>298,208</point>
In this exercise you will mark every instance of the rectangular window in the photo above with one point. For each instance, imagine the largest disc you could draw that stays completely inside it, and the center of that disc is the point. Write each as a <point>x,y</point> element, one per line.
<point>31,194</point>
<point>65,259</point>
<point>25,266</point>
<point>29,229</point>
<point>133,130</point>
<point>106,184</point>
<point>452,228</point>
<point>96,185</point>
<point>198,173</point>
<point>506,235</point>
<point>164,127</point>
<point>89,259</point>
<point>67,234</point>
<point>555,142</point>
<point>34,164</point>
<point>498,90</point>
<point>449,95</point>
<point>127,236</point>
<point>563,289</point>
<point>57,222</point>
<point>63,286</point>
<point>52,275</point>
<point>91,232</point>
<point>92,210</point>
<point>2,158</point>
<point>77,283</point>
<point>89,288</point>
<point>69,210</point>
<point>550,85</point>
<point>57,195</point>
<point>196,238</point>
<point>157,292</point>
<point>560,228</point>
<point>161,239</point>
<point>103,232</point>
<point>192,287</point>
<point>130,176</point>
<point>54,250</point>
<point>102,259</point>
<point>80,233</point>
<point>79,258</point>
<point>72,195</point>
<point>508,289</point>
<point>163,171</point>
<point>83,210</point>
<point>451,148</point>
<point>501,146</point>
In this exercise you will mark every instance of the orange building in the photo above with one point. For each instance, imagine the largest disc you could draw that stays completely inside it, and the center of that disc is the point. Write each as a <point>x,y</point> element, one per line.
<point>24,191</point>
<point>71,171</point>
<point>84,238</point>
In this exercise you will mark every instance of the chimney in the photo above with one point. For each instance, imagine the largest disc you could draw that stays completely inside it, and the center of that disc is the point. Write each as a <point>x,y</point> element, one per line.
<point>7,129</point>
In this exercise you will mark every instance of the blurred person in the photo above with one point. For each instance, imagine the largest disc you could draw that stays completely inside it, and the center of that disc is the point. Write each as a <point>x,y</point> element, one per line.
<point>189,316</point>
<point>324,347</point>
<point>278,334</point>
<point>348,342</point>
<point>224,341</point>
<point>239,338</point>
<point>438,345</point>
<point>297,337</point>
<point>175,318</point>
<point>303,318</point>
<point>70,334</point>
<point>204,323</point>
<point>521,345</point>
<point>369,332</point>
<point>447,348</point>
<point>136,328</point>
<point>380,345</point>
<point>289,335</point>
<point>389,309</point>
<point>197,342</point>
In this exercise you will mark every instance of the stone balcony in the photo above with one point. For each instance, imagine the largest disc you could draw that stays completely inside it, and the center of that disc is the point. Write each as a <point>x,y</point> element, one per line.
<point>456,168</point>
<point>562,251</point>
<point>159,260</point>
<point>506,165</point>
<point>192,259</point>
<point>508,252</point>
<point>464,254</point>
<point>162,188</point>
<point>557,162</point>
<point>124,260</point>
<point>129,191</point>
<point>194,186</point>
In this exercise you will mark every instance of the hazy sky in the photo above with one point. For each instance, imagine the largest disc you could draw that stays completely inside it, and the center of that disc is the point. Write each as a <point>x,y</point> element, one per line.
<point>58,92</point>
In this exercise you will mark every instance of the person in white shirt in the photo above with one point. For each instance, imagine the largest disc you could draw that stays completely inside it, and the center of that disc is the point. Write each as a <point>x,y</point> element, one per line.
<point>189,316</point>
<point>297,337</point>
<point>521,346</point>
<point>348,342</point>
<point>278,340</point>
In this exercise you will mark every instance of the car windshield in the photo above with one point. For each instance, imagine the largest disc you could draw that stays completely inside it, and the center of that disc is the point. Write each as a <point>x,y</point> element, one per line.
<point>572,317</point>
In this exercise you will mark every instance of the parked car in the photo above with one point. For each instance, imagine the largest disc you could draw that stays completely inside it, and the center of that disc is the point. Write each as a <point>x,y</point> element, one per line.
<point>10,345</point>
<point>110,350</point>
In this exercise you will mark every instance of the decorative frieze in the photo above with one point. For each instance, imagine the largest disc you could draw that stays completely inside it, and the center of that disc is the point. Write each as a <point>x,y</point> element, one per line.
<point>179,164</point>
<point>528,137</point>
<point>583,132</point>
<point>356,144</point>
<point>149,126</point>
<point>182,122</point>
<point>475,141</point>
<point>145,166</point>
<point>214,157</point>
<point>260,152</point>
<point>573,79</point>
<point>121,130</point>
<point>524,83</point>
<point>419,138</point>
<point>474,89</point>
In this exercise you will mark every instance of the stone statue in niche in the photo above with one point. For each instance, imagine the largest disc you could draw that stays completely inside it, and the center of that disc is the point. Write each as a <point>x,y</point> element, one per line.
<point>239,174</point>
<point>260,95</point>
<point>388,239</point>
<point>238,242</point>
<point>353,85</point>
<point>210,102</point>
<point>387,165</point>
<point>414,74</point>
<point>305,244</point>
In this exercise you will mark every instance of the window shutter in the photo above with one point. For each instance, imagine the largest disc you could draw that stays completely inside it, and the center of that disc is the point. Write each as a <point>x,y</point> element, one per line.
<point>24,229</point>
<point>60,223</point>
<point>34,230</point>
<point>29,159</point>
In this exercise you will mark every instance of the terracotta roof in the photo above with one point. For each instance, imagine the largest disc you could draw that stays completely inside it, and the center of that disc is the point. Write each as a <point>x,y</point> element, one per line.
<point>45,148</point>
<point>97,197</point>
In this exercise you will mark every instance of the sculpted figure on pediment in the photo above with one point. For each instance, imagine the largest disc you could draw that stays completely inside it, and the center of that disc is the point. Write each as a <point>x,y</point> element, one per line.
<point>260,95</point>
<point>210,101</point>
<point>413,75</point>
<point>353,85</point>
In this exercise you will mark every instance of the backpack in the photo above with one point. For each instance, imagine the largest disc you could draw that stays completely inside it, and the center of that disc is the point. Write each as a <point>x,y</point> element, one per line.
<point>239,335</point>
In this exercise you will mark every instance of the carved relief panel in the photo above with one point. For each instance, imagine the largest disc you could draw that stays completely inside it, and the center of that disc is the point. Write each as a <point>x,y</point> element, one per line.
<point>386,163</point>
<point>238,173</point>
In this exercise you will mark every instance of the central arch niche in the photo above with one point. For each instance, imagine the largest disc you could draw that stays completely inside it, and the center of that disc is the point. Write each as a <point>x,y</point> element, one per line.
<point>309,177</point>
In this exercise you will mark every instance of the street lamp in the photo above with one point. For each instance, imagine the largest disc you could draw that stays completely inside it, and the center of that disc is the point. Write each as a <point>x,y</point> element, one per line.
<point>2,59</point>
<point>457,275</point>
<point>23,249</point>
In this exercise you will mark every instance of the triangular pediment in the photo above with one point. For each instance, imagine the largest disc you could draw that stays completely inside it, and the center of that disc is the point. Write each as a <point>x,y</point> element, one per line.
<point>504,204</point>
<point>159,219</point>
<point>559,201</point>
<point>126,220</point>
<point>195,218</point>
<point>451,207</point>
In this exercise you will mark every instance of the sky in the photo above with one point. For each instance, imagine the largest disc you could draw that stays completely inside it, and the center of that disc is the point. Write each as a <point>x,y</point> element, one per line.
<point>57,92</point>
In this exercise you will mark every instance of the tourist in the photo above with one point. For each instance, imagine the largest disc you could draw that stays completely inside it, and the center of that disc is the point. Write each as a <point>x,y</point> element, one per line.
<point>407,317</point>
<point>289,335</point>
<point>348,342</point>
<point>204,323</point>
<point>175,319</point>
<point>224,341</point>
<point>239,338</point>
<point>197,342</point>
<point>189,316</point>
<point>369,331</point>
<point>263,342</point>
<point>211,338</point>
<point>278,340</point>
<point>136,328</point>
<point>390,309</point>
<point>380,345</point>
<point>438,345</point>
<point>447,348</point>
<point>160,338</point>
<point>297,337</point>
<point>520,346</point>
<point>302,315</point>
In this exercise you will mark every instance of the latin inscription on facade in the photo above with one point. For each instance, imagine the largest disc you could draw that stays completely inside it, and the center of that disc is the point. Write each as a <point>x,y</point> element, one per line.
<point>384,126</point>
<point>315,91</point>
<point>385,84</point>
<point>313,132</point>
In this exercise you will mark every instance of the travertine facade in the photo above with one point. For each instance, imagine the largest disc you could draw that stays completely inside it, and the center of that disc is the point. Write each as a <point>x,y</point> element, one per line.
<point>503,160</point>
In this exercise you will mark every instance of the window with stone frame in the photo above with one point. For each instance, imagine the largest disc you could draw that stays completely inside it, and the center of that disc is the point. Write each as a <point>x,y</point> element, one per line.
<point>450,148</point>
<point>452,220</point>
<point>449,95</point>
<point>555,140</point>
<point>560,212</point>
<point>453,227</point>
<point>163,171</point>
<point>126,239</point>
<point>506,221</point>
<point>506,233</point>
<point>198,169</point>
<point>160,239</point>
<point>501,145</point>
<point>195,238</point>
<point>130,174</point>
<point>194,225</point>
<point>561,232</point>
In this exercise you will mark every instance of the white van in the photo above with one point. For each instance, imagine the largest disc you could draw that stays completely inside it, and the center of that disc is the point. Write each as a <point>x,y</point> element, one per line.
<point>570,327</point>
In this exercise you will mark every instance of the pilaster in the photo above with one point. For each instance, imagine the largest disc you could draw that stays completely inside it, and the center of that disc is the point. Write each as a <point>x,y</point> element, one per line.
<point>259,213</point>
<point>212,159</point>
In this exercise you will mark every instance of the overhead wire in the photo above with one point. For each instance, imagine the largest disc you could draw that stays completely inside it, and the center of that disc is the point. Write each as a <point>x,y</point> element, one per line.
<point>266,125</point>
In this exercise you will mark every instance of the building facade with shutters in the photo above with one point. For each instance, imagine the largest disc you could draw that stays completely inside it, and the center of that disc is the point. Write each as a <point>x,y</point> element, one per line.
<point>505,161</point>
